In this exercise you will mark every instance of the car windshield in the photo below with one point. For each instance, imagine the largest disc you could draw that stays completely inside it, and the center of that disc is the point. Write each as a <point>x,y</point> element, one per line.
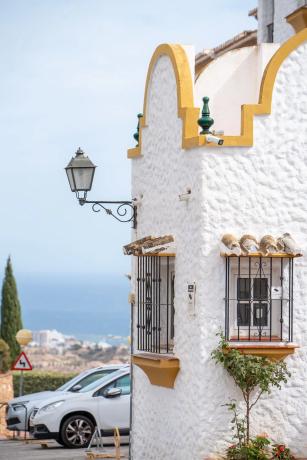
<point>71,382</point>
<point>85,379</point>
<point>100,382</point>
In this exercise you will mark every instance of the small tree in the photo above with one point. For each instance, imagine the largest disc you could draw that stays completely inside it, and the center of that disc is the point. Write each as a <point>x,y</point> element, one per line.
<point>5,357</point>
<point>254,376</point>
<point>11,321</point>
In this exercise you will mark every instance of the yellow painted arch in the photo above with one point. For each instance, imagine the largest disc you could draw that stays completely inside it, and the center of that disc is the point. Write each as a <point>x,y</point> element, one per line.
<point>189,113</point>
<point>186,109</point>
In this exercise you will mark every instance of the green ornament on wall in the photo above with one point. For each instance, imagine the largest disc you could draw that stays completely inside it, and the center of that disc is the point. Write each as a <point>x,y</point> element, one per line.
<point>136,135</point>
<point>205,122</point>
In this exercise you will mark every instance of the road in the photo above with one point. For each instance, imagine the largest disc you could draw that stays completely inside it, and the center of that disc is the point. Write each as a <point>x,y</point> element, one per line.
<point>19,450</point>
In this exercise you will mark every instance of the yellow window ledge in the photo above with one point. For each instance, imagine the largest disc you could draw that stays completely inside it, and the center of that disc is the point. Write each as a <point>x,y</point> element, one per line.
<point>273,351</point>
<point>160,369</point>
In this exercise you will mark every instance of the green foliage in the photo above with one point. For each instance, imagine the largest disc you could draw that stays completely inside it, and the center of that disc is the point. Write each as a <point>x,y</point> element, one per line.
<point>281,452</point>
<point>11,321</point>
<point>5,356</point>
<point>254,375</point>
<point>238,424</point>
<point>36,381</point>
<point>257,449</point>
<point>250,372</point>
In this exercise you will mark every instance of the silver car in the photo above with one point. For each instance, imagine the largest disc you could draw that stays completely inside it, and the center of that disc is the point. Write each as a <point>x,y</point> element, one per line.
<point>19,409</point>
<point>71,418</point>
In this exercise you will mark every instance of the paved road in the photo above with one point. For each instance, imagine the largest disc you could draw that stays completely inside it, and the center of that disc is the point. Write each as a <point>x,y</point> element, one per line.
<point>18,450</point>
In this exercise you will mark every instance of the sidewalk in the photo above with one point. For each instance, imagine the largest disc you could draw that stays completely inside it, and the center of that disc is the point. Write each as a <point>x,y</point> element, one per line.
<point>18,450</point>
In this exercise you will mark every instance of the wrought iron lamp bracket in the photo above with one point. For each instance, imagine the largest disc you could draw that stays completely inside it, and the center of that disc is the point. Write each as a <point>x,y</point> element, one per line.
<point>125,211</point>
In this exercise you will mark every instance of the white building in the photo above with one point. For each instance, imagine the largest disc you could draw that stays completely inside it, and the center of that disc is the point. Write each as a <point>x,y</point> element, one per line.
<point>48,338</point>
<point>195,191</point>
<point>272,22</point>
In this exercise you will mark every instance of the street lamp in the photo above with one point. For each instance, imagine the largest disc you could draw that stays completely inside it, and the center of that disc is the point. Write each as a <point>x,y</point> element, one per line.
<point>80,173</point>
<point>23,337</point>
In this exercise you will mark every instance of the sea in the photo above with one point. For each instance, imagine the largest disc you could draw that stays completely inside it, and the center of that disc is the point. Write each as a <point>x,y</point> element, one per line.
<point>88,308</point>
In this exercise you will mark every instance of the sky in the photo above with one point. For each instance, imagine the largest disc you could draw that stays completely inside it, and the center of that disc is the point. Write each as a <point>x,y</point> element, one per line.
<point>73,74</point>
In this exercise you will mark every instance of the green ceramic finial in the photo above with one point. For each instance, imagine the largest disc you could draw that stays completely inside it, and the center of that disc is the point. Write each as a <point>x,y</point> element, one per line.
<point>136,135</point>
<point>205,122</point>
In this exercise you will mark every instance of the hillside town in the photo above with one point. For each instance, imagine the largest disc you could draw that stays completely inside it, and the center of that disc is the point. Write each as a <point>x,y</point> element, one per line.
<point>53,351</point>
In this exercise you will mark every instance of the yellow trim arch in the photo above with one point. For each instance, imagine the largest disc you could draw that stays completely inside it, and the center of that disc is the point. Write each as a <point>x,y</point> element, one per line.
<point>189,113</point>
<point>185,99</point>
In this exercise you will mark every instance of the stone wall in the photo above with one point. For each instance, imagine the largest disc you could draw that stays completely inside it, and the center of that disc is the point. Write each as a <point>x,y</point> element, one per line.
<point>6,393</point>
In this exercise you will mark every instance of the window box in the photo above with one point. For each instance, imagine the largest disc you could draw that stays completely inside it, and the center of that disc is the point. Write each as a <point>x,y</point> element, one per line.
<point>161,370</point>
<point>273,351</point>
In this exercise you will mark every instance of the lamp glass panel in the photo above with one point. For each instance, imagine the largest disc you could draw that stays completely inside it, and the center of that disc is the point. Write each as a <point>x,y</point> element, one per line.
<point>70,179</point>
<point>83,178</point>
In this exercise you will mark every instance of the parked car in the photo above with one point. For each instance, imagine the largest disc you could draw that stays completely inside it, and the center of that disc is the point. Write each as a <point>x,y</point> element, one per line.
<point>19,409</point>
<point>71,418</point>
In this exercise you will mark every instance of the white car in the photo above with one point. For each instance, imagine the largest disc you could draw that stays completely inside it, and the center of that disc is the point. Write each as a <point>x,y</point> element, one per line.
<point>71,418</point>
<point>19,409</point>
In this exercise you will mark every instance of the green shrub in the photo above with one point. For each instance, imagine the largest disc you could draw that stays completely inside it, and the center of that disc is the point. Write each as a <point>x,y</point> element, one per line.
<point>254,376</point>
<point>35,381</point>
<point>257,449</point>
<point>281,452</point>
<point>5,356</point>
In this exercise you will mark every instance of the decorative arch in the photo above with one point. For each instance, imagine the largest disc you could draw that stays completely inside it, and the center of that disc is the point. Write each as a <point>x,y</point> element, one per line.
<point>185,99</point>
<point>189,113</point>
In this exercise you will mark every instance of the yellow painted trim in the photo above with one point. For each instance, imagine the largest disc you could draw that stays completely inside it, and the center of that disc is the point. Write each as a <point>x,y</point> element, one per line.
<point>186,110</point>
<point>298,19</point>
<point>189,114</point>
<point>274,353</point>
<point>161,370</point>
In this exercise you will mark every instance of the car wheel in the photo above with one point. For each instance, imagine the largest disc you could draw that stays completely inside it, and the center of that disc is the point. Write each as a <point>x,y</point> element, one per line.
<point>59,441</point>
<point>77,431</point>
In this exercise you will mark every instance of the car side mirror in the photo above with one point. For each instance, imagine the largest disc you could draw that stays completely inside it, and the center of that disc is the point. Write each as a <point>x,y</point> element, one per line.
<point>112,392</point>
<point>76,388</point>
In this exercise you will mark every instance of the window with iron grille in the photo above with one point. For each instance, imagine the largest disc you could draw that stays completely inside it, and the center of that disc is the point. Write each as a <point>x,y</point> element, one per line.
<point>259,299</point>
<point>155,303</point>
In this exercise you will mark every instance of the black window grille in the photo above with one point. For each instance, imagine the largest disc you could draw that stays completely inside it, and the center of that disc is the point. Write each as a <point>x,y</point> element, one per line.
<point>155,303</point>
<point>259,299</point>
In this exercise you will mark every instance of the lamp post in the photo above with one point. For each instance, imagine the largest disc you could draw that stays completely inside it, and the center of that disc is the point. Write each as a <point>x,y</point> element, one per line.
<point>80,173</point>
<point>23,337</point>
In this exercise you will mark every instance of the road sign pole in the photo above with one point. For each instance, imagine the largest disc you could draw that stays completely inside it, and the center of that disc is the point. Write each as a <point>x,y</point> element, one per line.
<point>21,364</point>
<point>21,384</point>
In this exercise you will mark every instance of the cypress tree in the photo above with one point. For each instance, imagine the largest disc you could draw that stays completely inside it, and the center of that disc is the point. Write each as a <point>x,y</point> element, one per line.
<point>11,321</point>
<point>5,357</point>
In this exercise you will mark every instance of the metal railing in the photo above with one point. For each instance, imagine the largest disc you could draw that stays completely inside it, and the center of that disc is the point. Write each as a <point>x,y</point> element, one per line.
<point>259,299</point>
<point>155,303</point>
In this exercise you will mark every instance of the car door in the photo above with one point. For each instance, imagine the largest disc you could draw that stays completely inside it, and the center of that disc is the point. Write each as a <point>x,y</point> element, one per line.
<point>114,411</point>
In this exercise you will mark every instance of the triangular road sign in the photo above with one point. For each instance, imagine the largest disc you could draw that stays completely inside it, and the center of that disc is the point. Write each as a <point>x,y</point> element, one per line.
<point>22,363</point>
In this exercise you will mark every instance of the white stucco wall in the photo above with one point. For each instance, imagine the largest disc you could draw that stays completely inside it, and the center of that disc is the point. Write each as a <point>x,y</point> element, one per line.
<point>230,81</point>
<point>160,176</point>
<point>281,9</point>
<point>262,189</point>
